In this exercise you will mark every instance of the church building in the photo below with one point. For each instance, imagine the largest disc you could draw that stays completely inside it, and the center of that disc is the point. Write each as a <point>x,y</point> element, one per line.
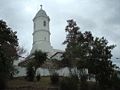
<point>41,41</point>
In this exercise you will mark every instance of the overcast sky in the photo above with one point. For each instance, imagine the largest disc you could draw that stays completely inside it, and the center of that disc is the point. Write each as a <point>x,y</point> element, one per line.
<point>101,17</point>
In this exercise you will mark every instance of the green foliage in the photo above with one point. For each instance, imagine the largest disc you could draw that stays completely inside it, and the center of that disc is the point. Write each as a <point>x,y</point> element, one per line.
<point>8,51</point>
<point>2,80</point>
<point>30,72</point>
<point>85,51</point>
<point>39,58</point>
<point>115,81</point>
<point>71,38</point>
<point>38,77</point>
<point>54,78</point>
<point>69,83</point>
<point>8,40</point>
<point>100,59</point>
<point>83,82</point>
<point>8,47</point>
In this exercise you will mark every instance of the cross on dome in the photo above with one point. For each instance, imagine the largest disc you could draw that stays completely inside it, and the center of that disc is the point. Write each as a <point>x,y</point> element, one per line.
<point>41,6</point>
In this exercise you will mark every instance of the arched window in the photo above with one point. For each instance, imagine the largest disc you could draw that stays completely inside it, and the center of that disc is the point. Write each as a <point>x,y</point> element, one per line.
<point>44,23</point>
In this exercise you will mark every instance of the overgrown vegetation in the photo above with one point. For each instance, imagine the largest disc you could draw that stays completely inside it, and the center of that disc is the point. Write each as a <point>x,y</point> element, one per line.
<point>87,52</point>
<point>54,78</point>
<point>38,59</point>
<point>30,72</point>
<point>69,83</point>
<point>38,77</point>
<point>8,52</point>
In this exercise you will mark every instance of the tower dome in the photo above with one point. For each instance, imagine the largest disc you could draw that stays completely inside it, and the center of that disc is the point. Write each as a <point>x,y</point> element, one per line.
<point>41,13</point>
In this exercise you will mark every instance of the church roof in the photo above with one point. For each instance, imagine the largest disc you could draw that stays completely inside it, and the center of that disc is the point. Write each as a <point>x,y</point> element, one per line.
<point>41,13</point>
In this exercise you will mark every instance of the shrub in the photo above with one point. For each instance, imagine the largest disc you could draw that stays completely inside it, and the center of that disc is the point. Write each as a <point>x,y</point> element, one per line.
<point>54,78</point>
<point>30,73</point>
<point>115,82</point>
<point>2,81</point>
<point>38,77</point>
<point>83,82</point>
<point>69,83</point>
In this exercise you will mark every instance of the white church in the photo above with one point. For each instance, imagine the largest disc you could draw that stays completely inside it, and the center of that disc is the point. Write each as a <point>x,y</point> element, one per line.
<point>41,41</point>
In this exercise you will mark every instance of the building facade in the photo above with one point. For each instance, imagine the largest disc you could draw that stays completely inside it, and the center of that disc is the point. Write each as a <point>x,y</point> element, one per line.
<point>41,41</point>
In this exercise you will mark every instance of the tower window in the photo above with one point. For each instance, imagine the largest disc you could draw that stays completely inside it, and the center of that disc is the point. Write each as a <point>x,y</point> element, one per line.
<point>45,38</point>
<point>44,23</point>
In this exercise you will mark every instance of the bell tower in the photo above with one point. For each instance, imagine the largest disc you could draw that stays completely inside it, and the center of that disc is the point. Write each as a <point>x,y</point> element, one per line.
<point>41,34</point>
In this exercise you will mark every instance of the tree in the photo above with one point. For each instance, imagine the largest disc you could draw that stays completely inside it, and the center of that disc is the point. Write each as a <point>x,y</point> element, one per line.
<point>100,62</point>
<point>77,51</point>
<point>78,46</point>
<point>71,41</point>
<point>30,72</point>
<point>8,51</point>
<point>85,51</point>
<point>39,58</point>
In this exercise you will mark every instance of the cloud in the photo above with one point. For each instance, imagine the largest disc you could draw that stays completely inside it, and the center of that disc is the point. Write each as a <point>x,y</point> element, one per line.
<point>101,17</point>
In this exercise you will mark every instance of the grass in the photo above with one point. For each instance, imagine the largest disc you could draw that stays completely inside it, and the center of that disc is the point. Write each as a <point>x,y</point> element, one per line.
<point>21,82</point>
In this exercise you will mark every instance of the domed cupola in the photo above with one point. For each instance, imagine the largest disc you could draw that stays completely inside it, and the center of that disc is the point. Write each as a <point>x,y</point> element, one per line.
<point>41,13</point>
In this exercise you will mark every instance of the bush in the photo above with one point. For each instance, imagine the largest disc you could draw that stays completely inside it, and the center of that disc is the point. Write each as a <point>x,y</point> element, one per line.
<point>2,81</point>
<point>54,78</point>
<point>69,83</point>
<point>2,84</point>
<point>83,82</point>
<point>30,73</point>
<point>115,82</point>
<point>38,77</point>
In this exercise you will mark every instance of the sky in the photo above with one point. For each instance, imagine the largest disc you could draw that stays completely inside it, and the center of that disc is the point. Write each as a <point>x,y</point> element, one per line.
<point>101,17</point>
